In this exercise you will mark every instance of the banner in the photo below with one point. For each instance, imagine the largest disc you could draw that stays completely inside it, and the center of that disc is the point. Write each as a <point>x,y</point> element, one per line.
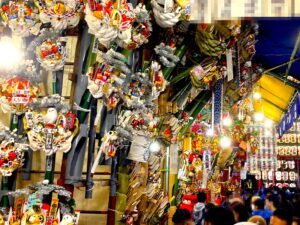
<point>290,117</point>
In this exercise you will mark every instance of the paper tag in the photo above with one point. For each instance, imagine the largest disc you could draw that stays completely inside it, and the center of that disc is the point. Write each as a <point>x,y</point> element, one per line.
<point>229,64</point>
<point>95,46</point>
<point>173,158</point>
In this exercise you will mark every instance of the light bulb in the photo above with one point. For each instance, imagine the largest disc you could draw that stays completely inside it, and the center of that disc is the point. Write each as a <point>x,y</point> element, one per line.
<point>258,116</point>
<point>154,147</point>
<point>10,55</point>
<point>225,142</point>
<point>257,95</point>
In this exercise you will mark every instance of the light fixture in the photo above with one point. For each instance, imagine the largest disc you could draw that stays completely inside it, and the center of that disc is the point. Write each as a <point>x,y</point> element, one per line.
<point>10,55</point>
<point>154,147</point>
<point>209,132</point>
<point>258,116</point>
<point>225,142</point>
<point>257,95</point>
<point>268,123</point>
<point>227,121</point>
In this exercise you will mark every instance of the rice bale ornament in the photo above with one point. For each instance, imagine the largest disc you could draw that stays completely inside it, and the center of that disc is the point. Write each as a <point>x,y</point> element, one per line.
<point>16,93</point>
<point>50,126</point>
<point>21,17</point>
<point>51,54</point>
<point>61,14</point>
<point>11,151</point>
<point>109,21</point>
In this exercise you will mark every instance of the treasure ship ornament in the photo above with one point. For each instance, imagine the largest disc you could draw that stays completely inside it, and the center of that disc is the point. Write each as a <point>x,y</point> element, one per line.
<point>50,126</point>
<point>21,17</point>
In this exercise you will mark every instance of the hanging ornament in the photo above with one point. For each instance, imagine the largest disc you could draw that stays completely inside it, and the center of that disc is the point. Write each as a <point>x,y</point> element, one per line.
<point>16,93</point>
<point>11,151</point>
<point>21,18</point>
<point>61,14</point>
<point>166,55</point>
<point>167,12</point>
<point>50,126</point>
<point>109,21</point>
<point>51,54</point>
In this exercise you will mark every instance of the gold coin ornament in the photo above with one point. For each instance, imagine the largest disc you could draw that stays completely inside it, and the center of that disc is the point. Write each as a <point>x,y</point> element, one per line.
<point>21,17</point>
<point>61,14</point>
<point>50,126</point>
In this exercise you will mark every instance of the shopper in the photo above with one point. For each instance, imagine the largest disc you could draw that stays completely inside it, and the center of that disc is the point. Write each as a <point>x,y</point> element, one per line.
<point>281,217</point>
<point>259,210</point>
<point>239,211</point>
<point>218,216</point>
<point>182,217</point>
<point>199,208</point>
<point>272,202</point>
<point>258,220</point>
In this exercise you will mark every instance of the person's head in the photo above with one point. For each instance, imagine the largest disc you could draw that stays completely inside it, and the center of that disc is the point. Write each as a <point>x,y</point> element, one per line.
<point>209,206</point>
<point>201,196</point>
<point>229,195</point>
<point>257,220</point>
<point>239,211</point>
<point>272,202</point>
<point>181,216</point>
<point>258,204</point>
<point>296,221</point>
<point>281,217</point>
<point>268,192</point>
<point>218,216</point>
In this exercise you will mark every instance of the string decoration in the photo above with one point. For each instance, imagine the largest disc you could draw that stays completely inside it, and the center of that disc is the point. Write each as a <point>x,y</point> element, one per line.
<point>168,13</point>
<point>12,149</point>
<point>50,126</point>
<point>166,55</point>
<point>60,14</point>
<point>21,17</point>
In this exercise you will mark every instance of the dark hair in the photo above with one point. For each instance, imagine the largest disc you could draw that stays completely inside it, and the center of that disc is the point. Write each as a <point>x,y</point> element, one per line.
<point>240,209</point>
<point>259,203</point>
<point>201,196</point>
<point>209,206</point>
<point>219,216</point>
<point>284,214</point>
<point>274,198</point>
<point>181,215</point>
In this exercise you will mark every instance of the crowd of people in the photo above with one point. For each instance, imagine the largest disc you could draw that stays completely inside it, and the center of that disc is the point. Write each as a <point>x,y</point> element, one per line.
<point>271,206</point>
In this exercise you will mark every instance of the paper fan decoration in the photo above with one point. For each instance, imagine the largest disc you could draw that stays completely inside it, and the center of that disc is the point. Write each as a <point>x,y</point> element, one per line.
<point>109,21</point>
<point>11,151</point>
<point>21,18</point>
<point>16,93</point>
<point>51,54</point>
<point>50,126</point>
<point>61,14</point>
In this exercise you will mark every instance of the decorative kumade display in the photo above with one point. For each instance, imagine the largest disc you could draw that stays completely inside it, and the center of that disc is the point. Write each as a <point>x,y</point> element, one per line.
<point>31,209</point>
<point>16,93</point>
<point>61,14</point>
<point>168,13</point>
<point>140,31</point>
<point>51,54</point>
<point>11,152</point>
<point>21,18</point>
<point>113,81</point>
<point>109,21</point>
<point>50,125</point>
